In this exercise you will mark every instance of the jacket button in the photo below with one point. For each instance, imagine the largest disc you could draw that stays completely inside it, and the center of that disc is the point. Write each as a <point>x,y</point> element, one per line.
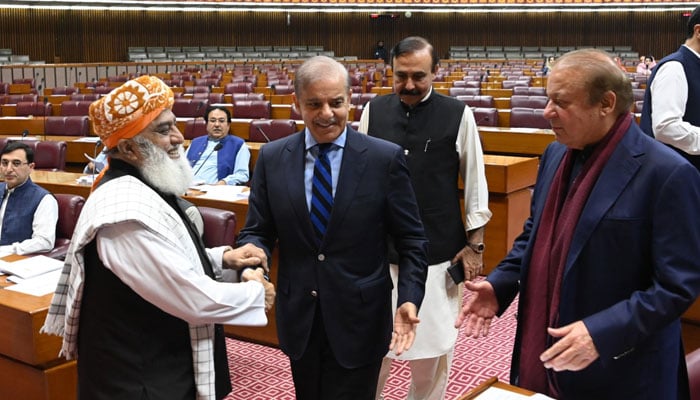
<point>321,257</point>
<point>314,293</point>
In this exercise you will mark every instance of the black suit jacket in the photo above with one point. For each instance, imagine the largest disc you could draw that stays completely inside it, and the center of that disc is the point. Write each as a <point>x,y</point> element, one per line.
<point>347,276</point>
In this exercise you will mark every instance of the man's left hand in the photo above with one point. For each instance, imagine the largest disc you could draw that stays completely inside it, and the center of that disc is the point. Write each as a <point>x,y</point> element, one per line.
<point>405,323</point>
<point>573,352</point>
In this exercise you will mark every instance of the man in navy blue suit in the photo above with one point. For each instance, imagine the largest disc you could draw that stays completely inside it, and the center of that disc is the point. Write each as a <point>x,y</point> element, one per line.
<point>334,306</point>
<point>609,258</point>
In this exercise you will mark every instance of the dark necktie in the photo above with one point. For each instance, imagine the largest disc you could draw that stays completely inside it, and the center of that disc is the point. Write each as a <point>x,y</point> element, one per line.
<point>321,192</point>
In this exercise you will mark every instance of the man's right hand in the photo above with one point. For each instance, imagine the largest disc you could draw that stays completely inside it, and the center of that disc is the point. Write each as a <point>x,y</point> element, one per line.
<point>479,310</point>
<point>247,255</point>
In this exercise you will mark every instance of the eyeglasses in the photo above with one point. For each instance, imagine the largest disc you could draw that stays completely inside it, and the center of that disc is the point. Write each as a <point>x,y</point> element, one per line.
<point>15,163</point>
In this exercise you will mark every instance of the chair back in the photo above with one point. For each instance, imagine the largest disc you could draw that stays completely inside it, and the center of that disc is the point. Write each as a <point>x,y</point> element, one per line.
<point>66,126</point>
<point>519,100</point>
<point>195,128</point>
<point>213,98</point>
<point>84,97</point>
<point>238,87</point>
<point>485,116</point>
<point>522,117</point>
<point>247,96</point>
<point>477,101</point>
<point>252,109</point>
<point>35,108</point>
<point>73,108</point>
<point>267,130</point>
<point>69,208</point>
<point>219,227</point>
<point>190,108</point>
<point>16,98</point>
<point>64,90</point>
<point>692,361</point>
<point>284,89</point>
<point>464,91</point>
<point>529,91</point>
<point>49,155</point>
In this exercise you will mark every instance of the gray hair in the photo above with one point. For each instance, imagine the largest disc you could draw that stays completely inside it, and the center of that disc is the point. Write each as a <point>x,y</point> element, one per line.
<point>598,73</point>
<point>319,67</point>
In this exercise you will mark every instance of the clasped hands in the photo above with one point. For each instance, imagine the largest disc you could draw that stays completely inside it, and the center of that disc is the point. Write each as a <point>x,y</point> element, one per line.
<point>573,351</point>
<point>253,261</point>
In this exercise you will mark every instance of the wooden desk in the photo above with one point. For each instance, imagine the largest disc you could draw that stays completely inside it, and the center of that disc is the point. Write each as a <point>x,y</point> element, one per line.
<point>493,383</point>
<point>14,126</point>
<point>515,141</point>
<point>29,364</point>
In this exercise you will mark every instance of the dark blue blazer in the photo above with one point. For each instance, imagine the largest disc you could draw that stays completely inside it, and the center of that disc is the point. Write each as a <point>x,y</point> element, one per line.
<point>347,277</point>
<point>633,268</point>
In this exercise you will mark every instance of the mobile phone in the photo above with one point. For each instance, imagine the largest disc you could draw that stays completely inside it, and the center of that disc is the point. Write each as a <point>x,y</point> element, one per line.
<point>456,271</point>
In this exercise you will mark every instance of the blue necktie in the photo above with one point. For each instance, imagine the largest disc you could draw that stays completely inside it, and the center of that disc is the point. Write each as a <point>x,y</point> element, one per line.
<point>321,192</point>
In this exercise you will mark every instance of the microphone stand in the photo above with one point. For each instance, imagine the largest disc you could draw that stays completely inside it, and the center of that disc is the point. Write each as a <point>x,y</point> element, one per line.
<point>262,133</point>
<point>94,156</point>
<point>216,148</point>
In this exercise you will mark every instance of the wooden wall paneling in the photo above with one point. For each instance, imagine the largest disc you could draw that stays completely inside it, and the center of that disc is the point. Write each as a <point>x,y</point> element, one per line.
<point>84,36</point>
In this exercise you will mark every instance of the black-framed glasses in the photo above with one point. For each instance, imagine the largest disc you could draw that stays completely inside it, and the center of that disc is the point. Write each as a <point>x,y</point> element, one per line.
<point>14,163</point>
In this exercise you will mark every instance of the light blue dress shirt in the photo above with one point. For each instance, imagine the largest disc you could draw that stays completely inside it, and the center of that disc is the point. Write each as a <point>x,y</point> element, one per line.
<point>335,156</point>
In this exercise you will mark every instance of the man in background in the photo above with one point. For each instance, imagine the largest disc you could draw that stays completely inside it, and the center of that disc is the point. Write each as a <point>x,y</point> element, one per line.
<point>441,142</point>
<point>330,197</point>
<point>139,303</point>
<point>28,212</point>
<point>608,261</point>
<point>671,110</point>
<point>219,158</point>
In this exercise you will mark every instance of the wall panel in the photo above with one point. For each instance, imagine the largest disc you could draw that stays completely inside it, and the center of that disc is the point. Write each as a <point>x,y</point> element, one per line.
<point>100,36</point>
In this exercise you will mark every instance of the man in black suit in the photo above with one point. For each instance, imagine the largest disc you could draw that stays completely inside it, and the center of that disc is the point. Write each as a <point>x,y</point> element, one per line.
<point>334,312</point>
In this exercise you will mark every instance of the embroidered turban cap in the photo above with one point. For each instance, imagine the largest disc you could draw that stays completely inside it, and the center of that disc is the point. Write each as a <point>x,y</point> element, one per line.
<point>128,109</point>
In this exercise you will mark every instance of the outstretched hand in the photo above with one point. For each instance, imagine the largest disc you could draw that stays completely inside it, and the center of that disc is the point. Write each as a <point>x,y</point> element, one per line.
<point>405,323</point>
<point>479,310</point>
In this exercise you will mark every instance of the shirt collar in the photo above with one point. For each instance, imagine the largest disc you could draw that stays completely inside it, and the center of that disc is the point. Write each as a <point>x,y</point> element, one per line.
<point>310,142</point>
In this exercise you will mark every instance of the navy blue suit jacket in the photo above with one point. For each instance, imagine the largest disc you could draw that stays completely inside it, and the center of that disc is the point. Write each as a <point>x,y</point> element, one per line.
<point>633,268</point>
<point>348,274</point>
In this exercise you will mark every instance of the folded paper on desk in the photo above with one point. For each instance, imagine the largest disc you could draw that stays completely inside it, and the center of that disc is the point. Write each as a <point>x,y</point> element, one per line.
<point>30,267</point>
<point>39,285</point>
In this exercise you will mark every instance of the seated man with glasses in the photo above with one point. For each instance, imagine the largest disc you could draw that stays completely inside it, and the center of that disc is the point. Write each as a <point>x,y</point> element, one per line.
<point>28,212</point>
<point>219,158</point>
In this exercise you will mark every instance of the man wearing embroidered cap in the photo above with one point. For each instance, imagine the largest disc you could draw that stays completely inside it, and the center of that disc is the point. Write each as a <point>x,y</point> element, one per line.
<point>139,295</point>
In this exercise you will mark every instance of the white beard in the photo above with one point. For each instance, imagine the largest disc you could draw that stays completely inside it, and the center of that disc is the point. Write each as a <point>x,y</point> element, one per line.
<point>171,176</point>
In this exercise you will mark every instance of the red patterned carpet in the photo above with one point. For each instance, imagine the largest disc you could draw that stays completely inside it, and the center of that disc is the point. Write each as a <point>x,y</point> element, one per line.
<point>262,373</point>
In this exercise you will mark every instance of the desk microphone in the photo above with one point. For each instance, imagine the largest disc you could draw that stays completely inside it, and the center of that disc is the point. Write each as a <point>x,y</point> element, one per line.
<point>98,143</point>
<point>216,148</point>
<point>199,107</point>
<point>24,134</point>
<point>263,133</point>
<point>46,101</point>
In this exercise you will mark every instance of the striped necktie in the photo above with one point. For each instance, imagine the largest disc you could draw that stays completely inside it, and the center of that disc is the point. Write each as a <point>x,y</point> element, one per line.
<point>321,192</point>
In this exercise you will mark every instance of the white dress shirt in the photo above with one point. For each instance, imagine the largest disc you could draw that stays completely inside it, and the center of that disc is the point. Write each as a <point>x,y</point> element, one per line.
<point>669,93</point>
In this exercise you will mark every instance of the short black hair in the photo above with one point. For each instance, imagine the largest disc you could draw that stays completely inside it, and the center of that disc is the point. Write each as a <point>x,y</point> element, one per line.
<point>16,145</point>
<point>412,44</point>
<point>692,21</point>
<point>222,108</point>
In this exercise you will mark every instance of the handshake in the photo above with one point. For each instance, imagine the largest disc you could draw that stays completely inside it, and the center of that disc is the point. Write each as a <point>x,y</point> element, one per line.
<point>252,262</point>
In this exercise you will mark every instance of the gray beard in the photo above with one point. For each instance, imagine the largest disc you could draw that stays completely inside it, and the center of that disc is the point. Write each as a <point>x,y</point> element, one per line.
<point>171,176</point>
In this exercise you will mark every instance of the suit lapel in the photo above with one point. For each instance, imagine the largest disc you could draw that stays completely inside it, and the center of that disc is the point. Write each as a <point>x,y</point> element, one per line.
<point>293,159</point>
<point>614,178</point>
<point>355,153</point>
